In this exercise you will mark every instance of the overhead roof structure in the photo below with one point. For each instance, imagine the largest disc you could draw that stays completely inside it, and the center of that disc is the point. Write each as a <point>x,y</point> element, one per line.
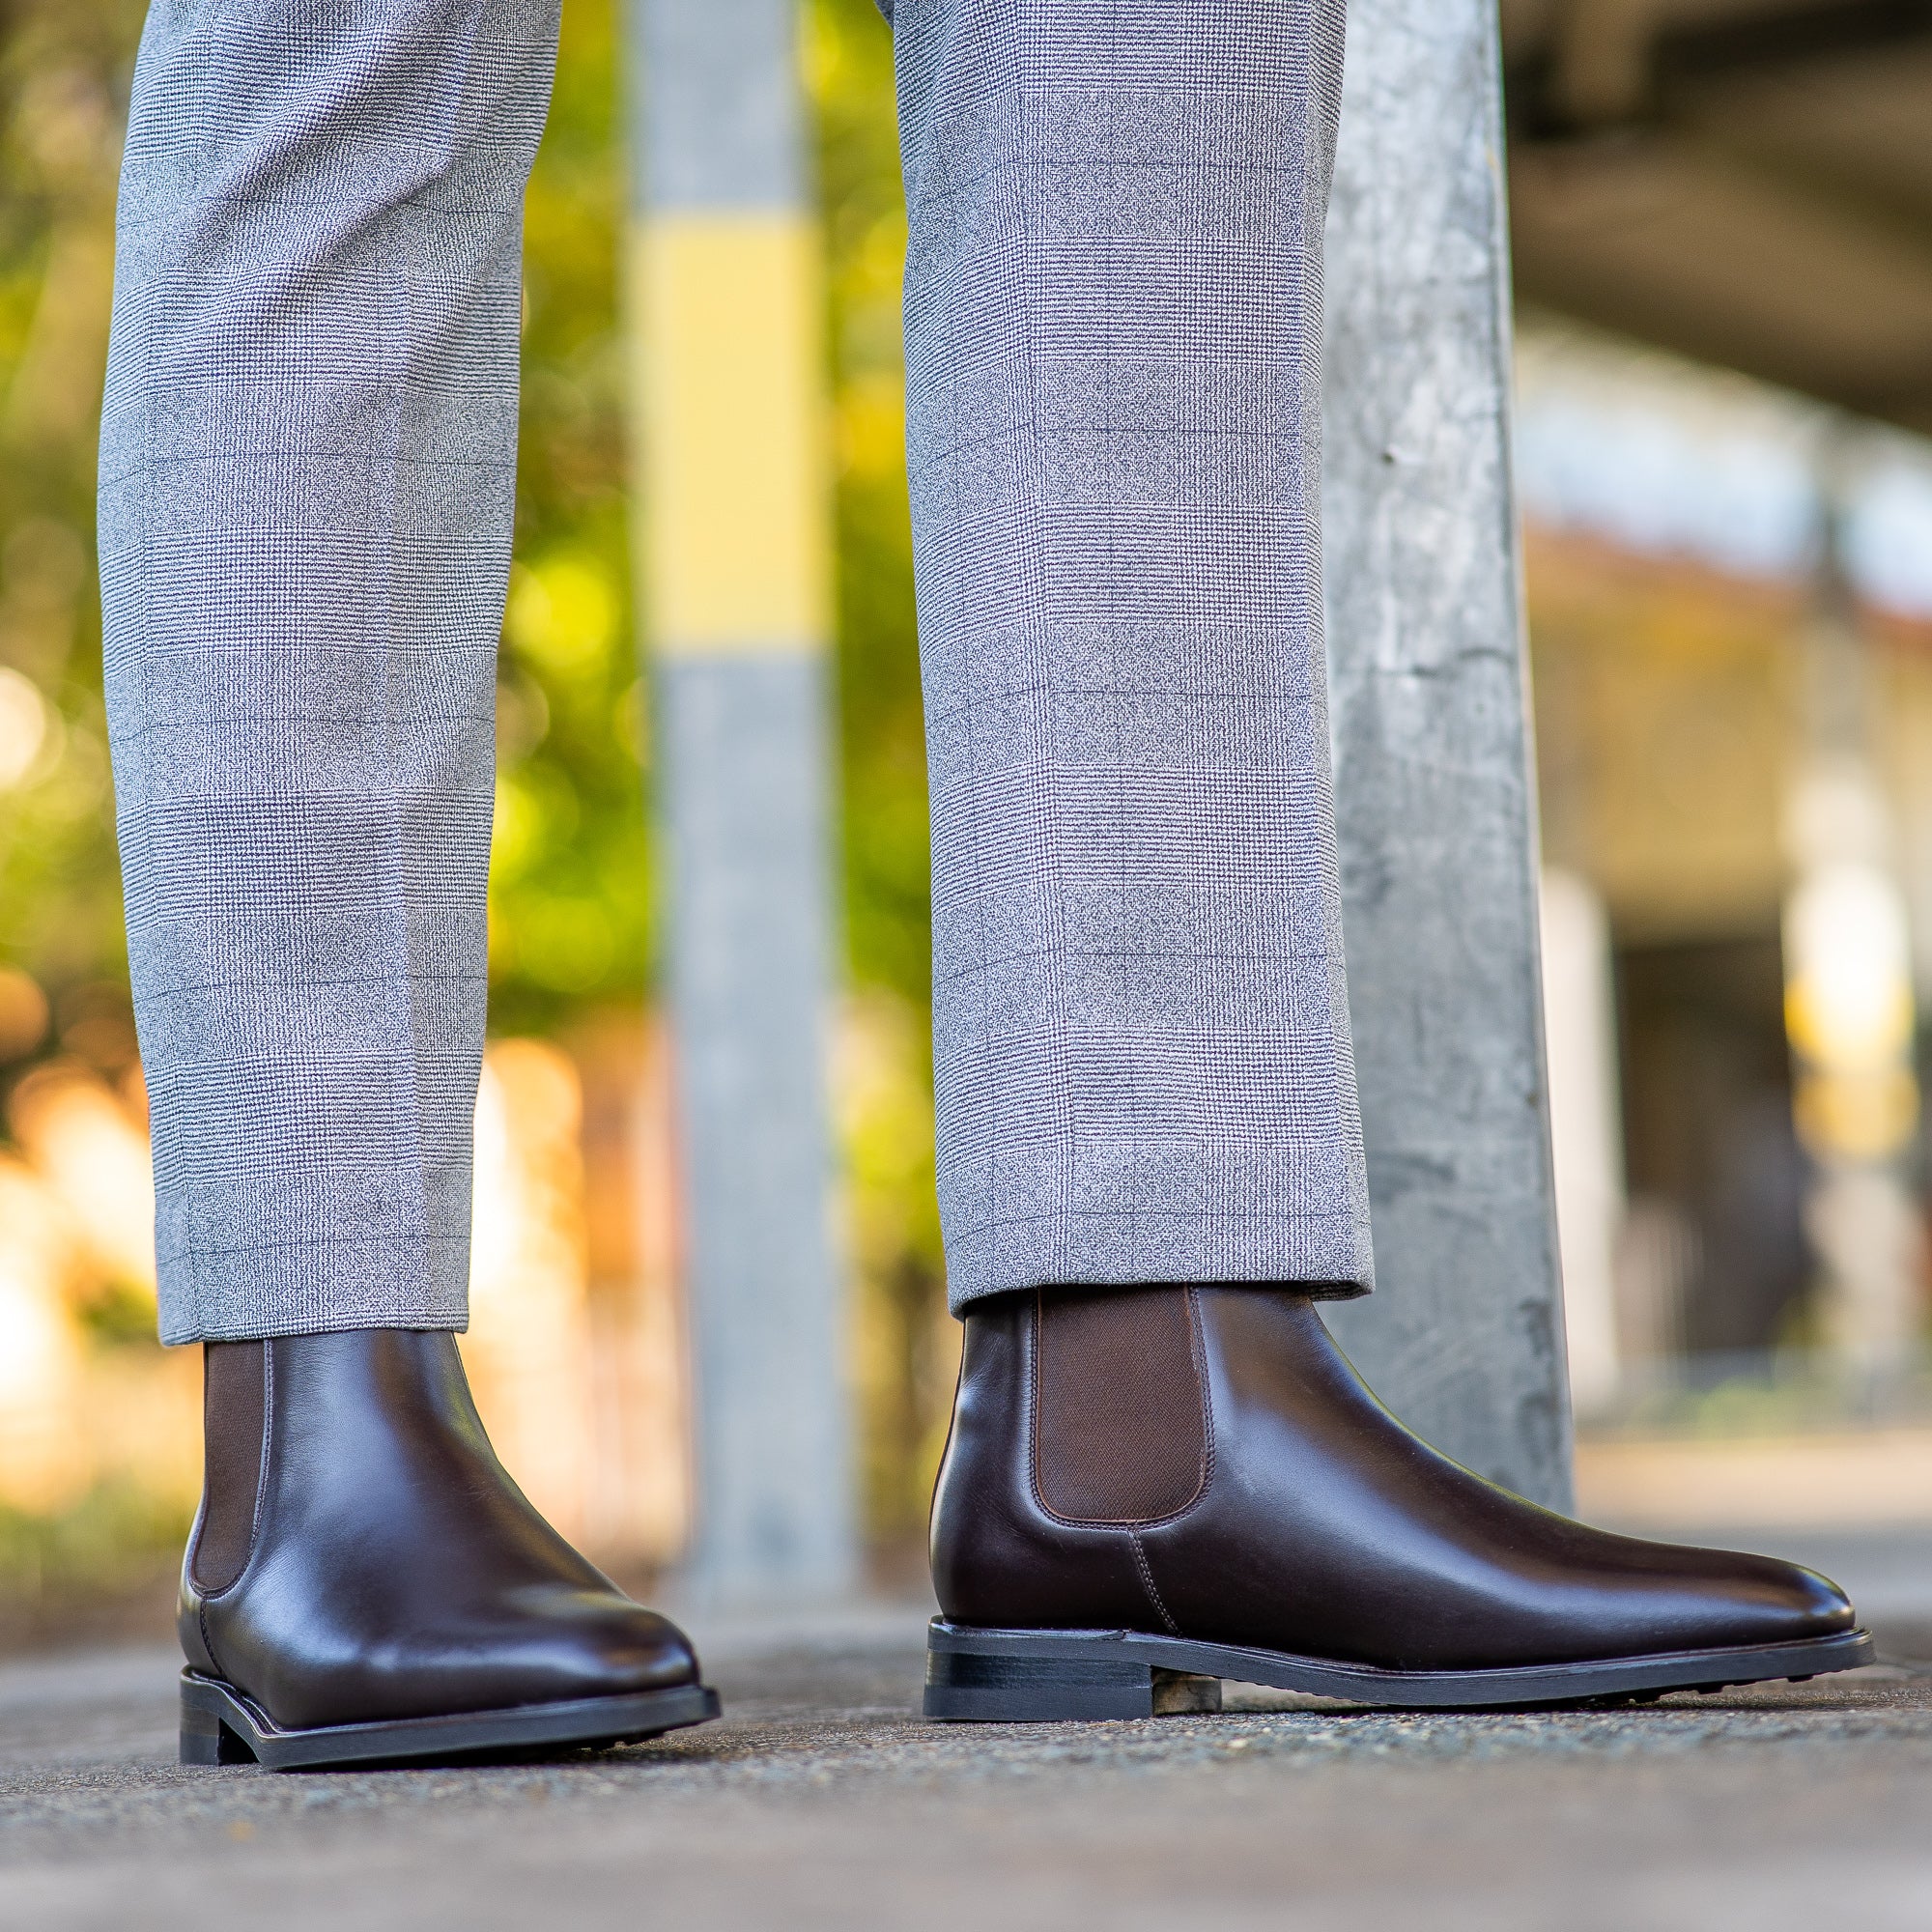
<point>1745,182</point>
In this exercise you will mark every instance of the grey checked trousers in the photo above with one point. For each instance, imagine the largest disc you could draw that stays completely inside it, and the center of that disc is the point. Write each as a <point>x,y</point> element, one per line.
<point>1113,330</point>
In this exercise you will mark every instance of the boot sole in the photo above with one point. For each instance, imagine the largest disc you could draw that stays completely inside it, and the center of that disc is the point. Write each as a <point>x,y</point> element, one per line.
<point>1043,1676</point>
<point>219,1725</point>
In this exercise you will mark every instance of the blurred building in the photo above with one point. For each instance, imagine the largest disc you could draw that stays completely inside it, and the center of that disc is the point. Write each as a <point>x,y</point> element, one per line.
<point>1731,625</point>
<point>1730,727</point>
<point>1747,183</point>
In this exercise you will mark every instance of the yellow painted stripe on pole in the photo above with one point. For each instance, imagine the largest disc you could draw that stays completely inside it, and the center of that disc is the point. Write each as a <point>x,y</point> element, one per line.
<point>733,520</point>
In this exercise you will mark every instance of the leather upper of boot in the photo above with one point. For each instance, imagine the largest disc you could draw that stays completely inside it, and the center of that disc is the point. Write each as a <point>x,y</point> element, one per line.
<point>362,1555</point>
<point>1205,1463</point>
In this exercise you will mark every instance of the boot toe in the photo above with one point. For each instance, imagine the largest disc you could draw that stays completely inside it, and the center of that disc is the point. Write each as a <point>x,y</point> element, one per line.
<point>602,1646</point>
<point>1792,1604</point>
<point>653,1653</point>
<point>1733,1600</point>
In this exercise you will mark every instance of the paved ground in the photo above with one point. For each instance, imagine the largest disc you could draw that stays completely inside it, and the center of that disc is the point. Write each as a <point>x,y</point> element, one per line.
<point>822,1801</point>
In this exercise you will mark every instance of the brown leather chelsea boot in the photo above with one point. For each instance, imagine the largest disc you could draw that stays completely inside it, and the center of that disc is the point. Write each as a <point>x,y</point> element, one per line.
<point>1147,1490</point>
<point>365,1583</point>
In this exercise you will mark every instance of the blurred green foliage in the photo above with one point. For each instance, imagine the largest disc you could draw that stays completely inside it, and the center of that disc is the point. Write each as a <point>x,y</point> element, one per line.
<point>906,1346</point>
<point>64,71</point>
<point>81,1569</point>
<point>849,67</point>
<point>572,902</point>
<point>572,899</point>
<point>573,906</point>
<point>571,873</point>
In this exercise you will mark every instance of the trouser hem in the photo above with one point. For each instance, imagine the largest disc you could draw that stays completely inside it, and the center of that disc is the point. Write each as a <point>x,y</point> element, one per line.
<point>1327,1259</point>
<point>248,1294</point>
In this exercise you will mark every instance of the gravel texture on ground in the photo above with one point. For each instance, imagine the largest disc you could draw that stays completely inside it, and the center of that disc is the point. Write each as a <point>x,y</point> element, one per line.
<point>823,1801</point>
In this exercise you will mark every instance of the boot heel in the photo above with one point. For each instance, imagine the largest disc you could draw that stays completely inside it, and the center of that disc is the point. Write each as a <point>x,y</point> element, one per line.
<point>203,1738</point>
<point>962,1686</point>
<point>988,1684</point>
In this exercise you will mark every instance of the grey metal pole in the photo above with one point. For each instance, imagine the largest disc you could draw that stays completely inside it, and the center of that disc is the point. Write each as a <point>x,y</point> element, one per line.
<point>734,540</point>
<point>1436,799</point>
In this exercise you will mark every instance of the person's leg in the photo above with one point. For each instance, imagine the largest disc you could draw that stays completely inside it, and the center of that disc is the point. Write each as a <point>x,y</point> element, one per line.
<point>1112,347</point>
<point>307,469</point>
<point>1150,1159</point>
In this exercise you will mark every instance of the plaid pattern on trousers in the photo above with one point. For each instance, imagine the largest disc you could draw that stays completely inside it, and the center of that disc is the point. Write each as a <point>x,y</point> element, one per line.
<point>308,466</point>
<point>1113,362</point>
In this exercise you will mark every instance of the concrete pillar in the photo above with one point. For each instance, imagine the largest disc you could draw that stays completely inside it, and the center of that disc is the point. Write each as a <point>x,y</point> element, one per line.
<point>734,548</point>
<point>1463,1337</point>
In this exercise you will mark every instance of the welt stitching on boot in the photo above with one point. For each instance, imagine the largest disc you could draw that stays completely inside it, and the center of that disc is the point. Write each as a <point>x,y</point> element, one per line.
<point>234,1415</point>
<point>1121,1430</point>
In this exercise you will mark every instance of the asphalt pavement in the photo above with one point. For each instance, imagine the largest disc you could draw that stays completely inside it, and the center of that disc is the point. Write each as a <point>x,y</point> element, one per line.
<point>823,1801</point>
